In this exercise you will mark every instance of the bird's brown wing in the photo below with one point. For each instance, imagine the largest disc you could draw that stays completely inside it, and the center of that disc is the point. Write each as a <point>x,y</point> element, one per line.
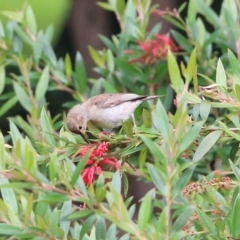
<point>111,100</point>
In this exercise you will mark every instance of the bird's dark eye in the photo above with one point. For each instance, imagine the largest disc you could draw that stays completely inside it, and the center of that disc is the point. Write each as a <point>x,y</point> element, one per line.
<point>80,127</point>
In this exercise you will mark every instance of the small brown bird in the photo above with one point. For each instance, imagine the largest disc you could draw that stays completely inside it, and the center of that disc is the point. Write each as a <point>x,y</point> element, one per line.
<point>106,111</point>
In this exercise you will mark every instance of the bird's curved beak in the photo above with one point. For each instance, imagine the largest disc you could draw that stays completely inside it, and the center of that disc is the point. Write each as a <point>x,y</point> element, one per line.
<point>83,136</point>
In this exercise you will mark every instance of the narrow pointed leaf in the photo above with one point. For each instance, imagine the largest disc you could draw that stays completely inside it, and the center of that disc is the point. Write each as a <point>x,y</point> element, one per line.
<point>206,144</point>
<point>80,76</point>
<point>42,85</point>
<point>235,223</point>
<point>174,72</point>
<point>2,79</point>
<point>221,78</point>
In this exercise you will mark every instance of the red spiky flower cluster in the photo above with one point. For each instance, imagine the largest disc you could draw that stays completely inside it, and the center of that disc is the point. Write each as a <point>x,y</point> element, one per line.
<point>96,161</point>
<point>155,49</point>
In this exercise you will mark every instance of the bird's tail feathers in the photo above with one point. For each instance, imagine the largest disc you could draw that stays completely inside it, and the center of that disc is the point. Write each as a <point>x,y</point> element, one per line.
<point>152,97</point>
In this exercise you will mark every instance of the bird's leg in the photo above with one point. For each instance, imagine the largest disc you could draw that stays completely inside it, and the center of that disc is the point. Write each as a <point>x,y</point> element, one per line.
<point>134,123</point>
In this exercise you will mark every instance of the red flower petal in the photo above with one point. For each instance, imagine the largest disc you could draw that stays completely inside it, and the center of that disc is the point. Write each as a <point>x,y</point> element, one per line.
<point>98,170</point>
<point>90,161</point>
<point>88,175</point>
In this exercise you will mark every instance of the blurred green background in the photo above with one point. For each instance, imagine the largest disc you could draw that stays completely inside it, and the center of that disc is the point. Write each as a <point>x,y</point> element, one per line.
<point>47,12</point>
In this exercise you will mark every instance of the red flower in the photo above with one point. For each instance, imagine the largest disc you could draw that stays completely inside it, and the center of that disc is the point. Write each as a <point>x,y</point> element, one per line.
<point>156,49</point>
<point>96,161</point>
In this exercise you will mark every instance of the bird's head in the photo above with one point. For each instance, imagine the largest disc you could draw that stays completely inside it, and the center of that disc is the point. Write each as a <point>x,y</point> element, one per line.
<point>77,120</point>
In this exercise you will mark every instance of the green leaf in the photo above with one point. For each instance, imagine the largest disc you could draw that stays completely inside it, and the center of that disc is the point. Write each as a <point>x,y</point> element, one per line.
<point>156,178</point>
<point>128,128</point>
<point>145,210</point>
<point>112,232</point>
<point>235,169</point>
<point>182,41</point>
<point>192,12</point>
<point>79,168</point>
<point>130,12</point>
<point>206,144</point>
<point>174,22</point>
<point>207,222</point>
<point>228,131</point>
<point>182,7</point>
<point>68,65</point>
<point>209,80</point>
<point>2,33</point>
<point>46,127</point>
<point>235,219</point>
<point>87,225</point>
<point>99,60</point>
<point>125,184</point>
<point>195,83</point>
<point>107,42</point>
<point>2,153</point>
<point>237,90</point>
<point>120,7</point>
<point>147,118</point>
<point>80,73</point>
<point>17,16</point>
<point>38,46</point>
<point>162,221</point>
<point>41,209</point>
<point>183,180</point>
<point>229,8</point>
<point>130,70</point>
<point>20,122</point>
<point>23,36</point>
<point>61,76</point>
<point>2,79</point>
<point>235,65</point>
<point>155,149</point>
<point>108,86</point>
<point>221,78</point>
<point>52,167</point>
<point>7,229</point>
<point>105,6</point>
<point>80,214</point>
<point>191,67</point>
<point>189,137</point>
<point>22,96</point>
<point>49,33</point>
<point>116,182</point>
<point>31,20</point>
<point>29,206</point>
<point>100,228</point>
<point>100,193</point>
<point>205,107</point>
<point>8,196</point>
<point>213,37</point>
<point>42,84</point>
<point>110,60</point>
<point>81,186</point>
<point>235,195</point>
<point>54,220</point>
<point>174,72</point>
<point>30,163</point>
<point>8,105</point>
<point>161,122</point>
<point>208,12</point>
<point>53,197</point>
<point>14,132</point>
<point>182,218</point>
<point>49,53</point>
